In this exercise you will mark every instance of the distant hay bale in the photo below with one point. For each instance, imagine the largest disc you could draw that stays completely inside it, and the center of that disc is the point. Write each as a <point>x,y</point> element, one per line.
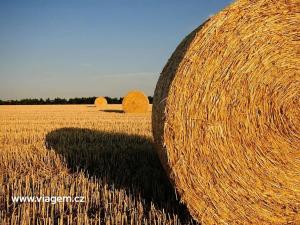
<point>226,117</point>
<point>101,102</point>
<point>135,102</point>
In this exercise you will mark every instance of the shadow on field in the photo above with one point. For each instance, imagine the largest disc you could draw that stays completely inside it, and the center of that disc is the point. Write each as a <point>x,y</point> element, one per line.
<point>113,110</point>
<point>122,160</point>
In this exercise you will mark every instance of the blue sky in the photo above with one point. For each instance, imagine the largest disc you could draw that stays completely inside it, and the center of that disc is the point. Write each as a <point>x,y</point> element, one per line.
<point>64,48</point>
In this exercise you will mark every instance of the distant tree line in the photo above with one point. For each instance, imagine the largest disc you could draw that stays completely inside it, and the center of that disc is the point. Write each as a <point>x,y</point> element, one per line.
<point>62,101</point>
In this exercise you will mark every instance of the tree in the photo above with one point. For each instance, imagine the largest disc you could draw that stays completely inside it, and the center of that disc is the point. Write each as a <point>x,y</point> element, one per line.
<point>48,101</point>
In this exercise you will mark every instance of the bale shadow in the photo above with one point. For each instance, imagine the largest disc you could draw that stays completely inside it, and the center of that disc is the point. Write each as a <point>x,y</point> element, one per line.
<point>112,110</point>
<point>122,160</point>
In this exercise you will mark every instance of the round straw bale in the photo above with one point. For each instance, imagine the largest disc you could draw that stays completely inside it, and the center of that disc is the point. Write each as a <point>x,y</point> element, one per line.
<point>135,102</point>
<point>101,102</point>
<point>226,115</point>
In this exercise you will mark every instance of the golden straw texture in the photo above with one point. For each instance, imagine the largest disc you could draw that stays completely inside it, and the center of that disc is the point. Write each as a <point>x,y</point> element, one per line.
<point>101,102</point>
<point>135,102</point>
<point>226,115</point>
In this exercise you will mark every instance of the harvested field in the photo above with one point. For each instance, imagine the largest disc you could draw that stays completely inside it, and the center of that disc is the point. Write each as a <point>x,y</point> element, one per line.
<point>79,150</point>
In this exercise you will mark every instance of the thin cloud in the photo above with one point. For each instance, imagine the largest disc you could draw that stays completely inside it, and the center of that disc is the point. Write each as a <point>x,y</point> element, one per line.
<point>130,74</point>
<point>86,64</point>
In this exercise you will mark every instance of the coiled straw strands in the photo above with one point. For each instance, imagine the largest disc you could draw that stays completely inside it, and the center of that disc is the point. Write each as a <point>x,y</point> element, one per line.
<point>135,102</point>
<point>101,102</point>
<point>226,115</point>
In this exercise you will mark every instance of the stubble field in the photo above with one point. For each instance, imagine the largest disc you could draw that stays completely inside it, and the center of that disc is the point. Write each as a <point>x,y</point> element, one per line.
<point>107,157</point>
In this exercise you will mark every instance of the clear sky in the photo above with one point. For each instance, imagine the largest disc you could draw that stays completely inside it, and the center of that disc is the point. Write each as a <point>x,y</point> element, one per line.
<point>80,48</point>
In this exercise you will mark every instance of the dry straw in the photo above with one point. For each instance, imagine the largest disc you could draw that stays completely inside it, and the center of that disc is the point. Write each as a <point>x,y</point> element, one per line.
<point>101,102</point>
<point>135,102</point>
<point>226,115</point>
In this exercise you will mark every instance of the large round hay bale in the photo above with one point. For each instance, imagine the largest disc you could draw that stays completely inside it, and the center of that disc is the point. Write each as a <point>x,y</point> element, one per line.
<point>101,102</point>
<point>135,102</point>
<point>226,117</point>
